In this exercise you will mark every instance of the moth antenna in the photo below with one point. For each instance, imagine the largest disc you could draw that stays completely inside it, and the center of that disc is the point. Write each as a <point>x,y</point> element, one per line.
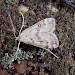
<point>22,22</point>
<point>20,29</point>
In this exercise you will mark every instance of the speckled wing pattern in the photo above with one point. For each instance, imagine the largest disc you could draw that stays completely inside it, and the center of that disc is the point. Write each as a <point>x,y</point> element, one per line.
<point>41,34</point>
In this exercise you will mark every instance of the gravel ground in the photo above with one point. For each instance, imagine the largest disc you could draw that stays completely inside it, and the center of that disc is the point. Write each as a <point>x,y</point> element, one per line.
<point>65,30</point>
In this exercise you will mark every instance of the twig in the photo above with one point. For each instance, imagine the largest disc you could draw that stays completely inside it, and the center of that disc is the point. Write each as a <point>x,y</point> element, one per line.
<point>13,28</point>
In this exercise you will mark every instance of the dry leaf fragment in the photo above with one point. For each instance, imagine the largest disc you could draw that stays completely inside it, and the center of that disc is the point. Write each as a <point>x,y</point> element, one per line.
<point>30,63</point>
<point>20,68</point>
<point>4,72</point>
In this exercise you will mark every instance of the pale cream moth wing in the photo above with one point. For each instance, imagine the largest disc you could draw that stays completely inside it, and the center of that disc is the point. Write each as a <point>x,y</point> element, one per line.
<point>41,34</point>
<point>49,25</point>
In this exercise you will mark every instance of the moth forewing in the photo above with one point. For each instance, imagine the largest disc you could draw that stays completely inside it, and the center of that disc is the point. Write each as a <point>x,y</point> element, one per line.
<point>41,34</point>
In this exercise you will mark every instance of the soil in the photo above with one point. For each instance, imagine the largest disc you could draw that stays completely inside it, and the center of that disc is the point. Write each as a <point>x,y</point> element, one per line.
<point>65,31</point>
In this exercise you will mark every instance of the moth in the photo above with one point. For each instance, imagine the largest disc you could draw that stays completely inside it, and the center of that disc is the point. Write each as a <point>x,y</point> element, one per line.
<point>41,34</point>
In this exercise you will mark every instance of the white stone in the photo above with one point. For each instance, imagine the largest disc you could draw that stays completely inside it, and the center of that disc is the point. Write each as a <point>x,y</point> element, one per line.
<point>23,8</point>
